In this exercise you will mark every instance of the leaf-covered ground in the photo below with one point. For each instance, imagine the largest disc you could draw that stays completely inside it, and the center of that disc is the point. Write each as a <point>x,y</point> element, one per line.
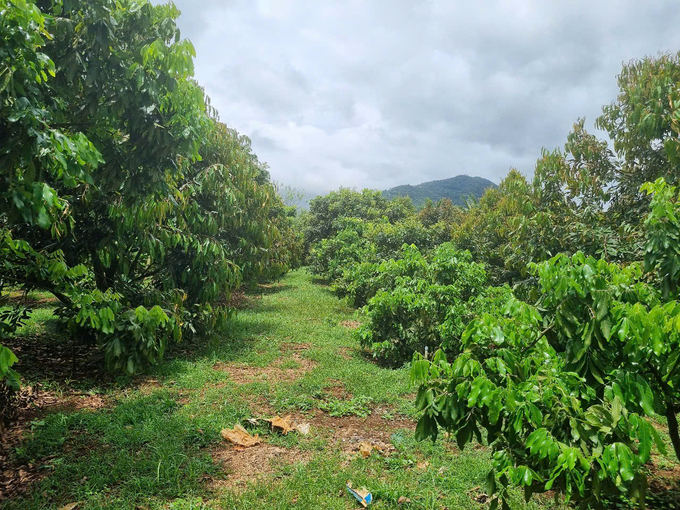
<point>154,441</point>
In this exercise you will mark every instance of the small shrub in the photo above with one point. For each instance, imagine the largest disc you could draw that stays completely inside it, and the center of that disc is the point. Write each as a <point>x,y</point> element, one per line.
<point>428,302</point>
<point>362,281</point>
<point>330,257</point>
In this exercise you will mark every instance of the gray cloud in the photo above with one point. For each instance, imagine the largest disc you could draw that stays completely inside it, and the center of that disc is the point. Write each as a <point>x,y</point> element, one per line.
<point>388,92</point>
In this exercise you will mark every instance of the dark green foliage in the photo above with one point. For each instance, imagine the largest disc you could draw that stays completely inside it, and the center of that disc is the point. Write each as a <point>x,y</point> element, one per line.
<point>388,238</point>
<point>585,197</point>
<point>330,257</point>
<point>663,236</point>
<point>643,123</point>
<point>443,211</point>
<point>563,392</point>
<point>456,189</point>
<point>122,194</point>
<point>487,228</point>
<point>360,241</point>
<point>320,222</point>
<point>429,300</point>
<point>563,389</point>
<point>362,281</point>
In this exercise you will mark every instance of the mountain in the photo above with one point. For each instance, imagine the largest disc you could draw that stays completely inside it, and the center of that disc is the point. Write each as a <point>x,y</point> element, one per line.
<point>456,189</point>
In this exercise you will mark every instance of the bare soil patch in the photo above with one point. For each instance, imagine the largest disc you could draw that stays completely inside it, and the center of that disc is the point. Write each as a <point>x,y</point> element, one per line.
<point>244,374</point>
<point>294,347</point>
<point>665,479</point>
<point>337,390</point>
<point>242,301</point>
<point>350,324</point>
<point>350,431</point>
<point>245,465</point>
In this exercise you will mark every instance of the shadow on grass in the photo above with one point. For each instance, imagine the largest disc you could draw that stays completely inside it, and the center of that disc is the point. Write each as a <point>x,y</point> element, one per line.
<point>32,299</point>
<point>268,289</point>
<point>388,363</point>
<point>117,457</point>
<point>58,358</point>
<point>53,357</point>
<point>135,446</point>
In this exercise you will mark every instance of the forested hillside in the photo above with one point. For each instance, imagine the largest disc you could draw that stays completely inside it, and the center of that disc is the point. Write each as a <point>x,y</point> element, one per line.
<point>457,189</point>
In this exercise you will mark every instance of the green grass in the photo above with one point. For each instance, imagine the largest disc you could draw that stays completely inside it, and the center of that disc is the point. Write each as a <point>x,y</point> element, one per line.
<point>150,447</point>
<point>42,306</point>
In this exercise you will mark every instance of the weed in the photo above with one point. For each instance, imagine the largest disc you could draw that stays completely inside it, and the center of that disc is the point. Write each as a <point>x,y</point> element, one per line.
<point>357,406</point>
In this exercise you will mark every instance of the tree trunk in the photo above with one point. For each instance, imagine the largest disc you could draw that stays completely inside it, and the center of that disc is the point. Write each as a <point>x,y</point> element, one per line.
<point>98,267</point>
<point>103,276</point>
<point>673,430</point>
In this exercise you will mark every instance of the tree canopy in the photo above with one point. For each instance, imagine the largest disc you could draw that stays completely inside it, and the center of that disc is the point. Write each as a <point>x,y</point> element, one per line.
<point>123,194</point>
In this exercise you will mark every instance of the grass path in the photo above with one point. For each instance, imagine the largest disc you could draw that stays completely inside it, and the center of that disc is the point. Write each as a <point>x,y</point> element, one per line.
<point>154,441</point>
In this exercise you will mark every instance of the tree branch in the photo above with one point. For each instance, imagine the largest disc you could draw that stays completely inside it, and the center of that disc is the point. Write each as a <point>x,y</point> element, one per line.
<point>532,344</point>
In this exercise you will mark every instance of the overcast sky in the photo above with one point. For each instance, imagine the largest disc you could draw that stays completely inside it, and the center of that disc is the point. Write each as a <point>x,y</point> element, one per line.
<point>386,92</point>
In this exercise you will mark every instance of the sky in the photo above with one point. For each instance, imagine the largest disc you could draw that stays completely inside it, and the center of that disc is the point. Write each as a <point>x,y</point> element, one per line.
<point>386,92</point>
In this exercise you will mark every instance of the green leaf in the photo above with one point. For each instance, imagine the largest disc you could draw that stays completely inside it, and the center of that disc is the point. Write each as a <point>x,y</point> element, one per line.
<point>464,435</point>
<point>426,428</point>
<point>424,398</point>
<point>491,483</point>
<point>646,397</point>
<point>617,408</point>
<point>619,460</point>
<point>658,441</point>
<point>645,438</point>
<point>7,359</point>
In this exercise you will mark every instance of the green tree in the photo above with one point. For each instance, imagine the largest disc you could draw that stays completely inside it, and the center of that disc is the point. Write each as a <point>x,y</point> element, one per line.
<point>36,156</point>
<point>425,301</point>
<point>563,389</point>
<point>366,205</point>
<point>134,206</point>
<point>643,125</point>
<point>442,212</point>
<point>488,226</point>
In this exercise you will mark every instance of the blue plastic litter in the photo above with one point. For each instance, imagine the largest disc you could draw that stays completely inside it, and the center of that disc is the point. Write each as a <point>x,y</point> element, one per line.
<point>361,495</point>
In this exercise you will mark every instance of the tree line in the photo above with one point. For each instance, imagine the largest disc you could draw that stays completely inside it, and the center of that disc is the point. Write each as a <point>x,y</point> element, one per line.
<point>542,318</point>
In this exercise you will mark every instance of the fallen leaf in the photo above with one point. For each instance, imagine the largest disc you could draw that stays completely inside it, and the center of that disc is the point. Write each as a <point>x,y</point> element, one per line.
<point>365,449</point>
<point>70,506</point>
<point>476,495</point>
<point>281,424</point>
<point>402,500</point>
<point>303,428</point>
<point>423,465</point>
<point>240,436</point>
